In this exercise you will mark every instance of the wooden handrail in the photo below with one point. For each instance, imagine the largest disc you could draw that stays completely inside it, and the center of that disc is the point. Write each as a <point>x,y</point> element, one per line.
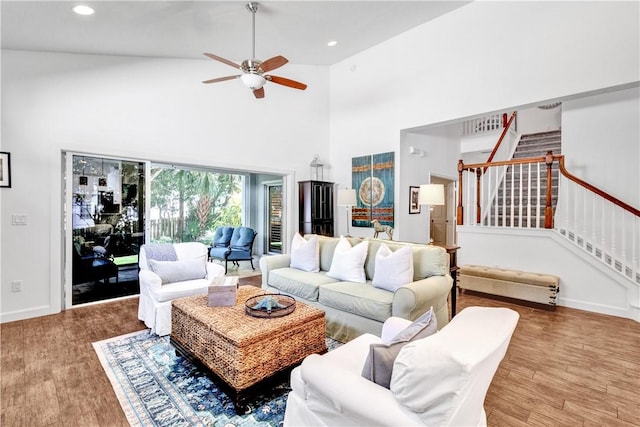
<point>548,159</point>
<point>504,133</point>
<point>627,207</point>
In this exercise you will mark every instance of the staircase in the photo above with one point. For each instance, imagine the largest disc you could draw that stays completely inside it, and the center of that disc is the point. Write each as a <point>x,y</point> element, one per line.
<point>507,211</point>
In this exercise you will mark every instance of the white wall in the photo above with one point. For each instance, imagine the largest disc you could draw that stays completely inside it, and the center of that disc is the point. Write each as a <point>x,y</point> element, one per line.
<point>601,134</point>
<point>582,284</point>
<point>157,108</point>
<point>534,120</point>
<point>445,71</point>
<point>141,108</point>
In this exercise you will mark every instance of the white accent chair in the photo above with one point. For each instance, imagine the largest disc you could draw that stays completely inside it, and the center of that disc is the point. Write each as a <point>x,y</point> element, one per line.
<point>154,308</point>
<point>440,380</point>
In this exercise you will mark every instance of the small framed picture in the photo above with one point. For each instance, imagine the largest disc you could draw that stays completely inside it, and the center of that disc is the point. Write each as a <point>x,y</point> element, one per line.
<point>414,194</point>
<point>5,169</point>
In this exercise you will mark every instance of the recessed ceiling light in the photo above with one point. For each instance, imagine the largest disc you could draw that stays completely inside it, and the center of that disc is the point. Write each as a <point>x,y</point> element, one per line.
<point>83,10</point>
<point>332,43</point>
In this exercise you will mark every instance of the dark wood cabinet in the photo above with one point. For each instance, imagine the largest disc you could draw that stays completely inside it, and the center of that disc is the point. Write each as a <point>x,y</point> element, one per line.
<point>315,207</point>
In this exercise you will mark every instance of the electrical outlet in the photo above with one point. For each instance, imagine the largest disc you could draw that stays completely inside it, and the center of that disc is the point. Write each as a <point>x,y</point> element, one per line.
<point>16,286</point>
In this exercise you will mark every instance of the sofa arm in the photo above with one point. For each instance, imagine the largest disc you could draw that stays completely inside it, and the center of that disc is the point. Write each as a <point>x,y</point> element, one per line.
<point>149,281</point>
<point>272,262</point>
<point>330,388</point>
<point>414,299</point>
<point>214,270</point>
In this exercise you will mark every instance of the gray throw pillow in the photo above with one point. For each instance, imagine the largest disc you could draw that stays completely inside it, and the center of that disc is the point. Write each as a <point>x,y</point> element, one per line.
<point>379,364</point>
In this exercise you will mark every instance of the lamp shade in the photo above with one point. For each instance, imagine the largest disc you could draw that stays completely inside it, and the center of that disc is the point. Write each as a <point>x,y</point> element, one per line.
<point>346,197</point>
<point>253,81</point>
<point>431,194</point>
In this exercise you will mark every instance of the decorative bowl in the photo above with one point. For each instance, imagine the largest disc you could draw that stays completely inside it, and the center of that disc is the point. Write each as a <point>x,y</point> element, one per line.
<point>270,305</point>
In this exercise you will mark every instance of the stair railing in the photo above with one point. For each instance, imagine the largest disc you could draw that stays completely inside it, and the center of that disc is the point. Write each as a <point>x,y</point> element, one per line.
<point>505,154</point>
<point>487,198</point>
<point>600,224</point>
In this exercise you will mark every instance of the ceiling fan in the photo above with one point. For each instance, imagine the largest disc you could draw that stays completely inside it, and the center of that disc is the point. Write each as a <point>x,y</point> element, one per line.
<point>253,69</point>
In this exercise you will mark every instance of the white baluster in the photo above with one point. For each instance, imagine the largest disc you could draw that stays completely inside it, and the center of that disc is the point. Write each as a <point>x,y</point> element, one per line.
<point>538,194</point>
<point>613,234</point>
<point>593,222</point>
<point>520,197</point>
<point>504,195</point>
<point>497,194</point>
<point>513,170</point>
<point>529,195</point>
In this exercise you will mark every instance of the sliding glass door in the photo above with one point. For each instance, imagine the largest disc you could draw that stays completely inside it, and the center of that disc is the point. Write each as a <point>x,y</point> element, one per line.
<point>104,205</point>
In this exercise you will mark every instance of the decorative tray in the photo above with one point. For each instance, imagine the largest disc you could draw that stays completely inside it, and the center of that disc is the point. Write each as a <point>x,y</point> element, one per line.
<point>270,305</point>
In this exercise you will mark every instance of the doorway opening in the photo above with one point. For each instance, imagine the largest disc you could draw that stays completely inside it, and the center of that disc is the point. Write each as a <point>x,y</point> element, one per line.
<point>106,198</point>
<point>442,227</point>
<point>273,216</point>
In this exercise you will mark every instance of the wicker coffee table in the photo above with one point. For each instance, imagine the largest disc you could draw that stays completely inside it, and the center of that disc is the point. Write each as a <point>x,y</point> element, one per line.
<point>244,351</point>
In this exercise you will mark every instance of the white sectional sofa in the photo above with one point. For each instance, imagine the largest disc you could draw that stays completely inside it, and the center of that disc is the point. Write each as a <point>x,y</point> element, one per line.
<point>353,308</point>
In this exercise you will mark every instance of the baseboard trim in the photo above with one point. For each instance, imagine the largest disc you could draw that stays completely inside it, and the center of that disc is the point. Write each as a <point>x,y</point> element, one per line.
<point>626,312</point>
<point>12,316</point>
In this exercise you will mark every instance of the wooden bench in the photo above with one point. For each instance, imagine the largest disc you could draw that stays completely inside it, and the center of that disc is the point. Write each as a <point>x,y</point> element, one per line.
<point>520,285</point>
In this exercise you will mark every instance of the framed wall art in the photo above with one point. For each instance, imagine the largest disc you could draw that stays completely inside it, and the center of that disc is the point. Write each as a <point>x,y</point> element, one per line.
<point>372,178</point>
<point>5,169</point>
<point>414,194</point>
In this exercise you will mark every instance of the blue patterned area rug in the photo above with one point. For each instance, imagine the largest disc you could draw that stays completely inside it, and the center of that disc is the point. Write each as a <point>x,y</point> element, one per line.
<point>156,387</point>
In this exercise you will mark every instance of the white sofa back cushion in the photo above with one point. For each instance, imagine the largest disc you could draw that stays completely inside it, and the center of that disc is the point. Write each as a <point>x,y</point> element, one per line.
<point>305,254</point>
<point>348,262</point>
<point>393,269</point>
<point>444,378</point>
<point>187,250</point>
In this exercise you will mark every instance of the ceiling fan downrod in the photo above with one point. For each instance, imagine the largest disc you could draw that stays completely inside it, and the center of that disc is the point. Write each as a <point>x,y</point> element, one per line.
<point>253,8</point>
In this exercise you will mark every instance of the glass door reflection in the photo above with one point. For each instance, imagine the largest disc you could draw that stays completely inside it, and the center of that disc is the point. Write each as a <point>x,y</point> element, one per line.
<point>107,208</point>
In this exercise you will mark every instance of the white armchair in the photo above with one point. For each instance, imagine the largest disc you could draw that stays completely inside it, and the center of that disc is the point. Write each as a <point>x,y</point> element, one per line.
<point>189,275</point>
<point>440,380</point>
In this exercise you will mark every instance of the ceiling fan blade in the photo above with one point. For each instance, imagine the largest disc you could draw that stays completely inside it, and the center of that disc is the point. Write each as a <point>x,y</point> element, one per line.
<point>286,82</point>
<point>221,59</point>
<point>273,63</point>
<point>220,79</point>
<point>259,93</point>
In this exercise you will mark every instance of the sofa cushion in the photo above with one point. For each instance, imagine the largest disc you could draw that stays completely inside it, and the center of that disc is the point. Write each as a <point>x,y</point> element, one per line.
<point>393,269</point>
<point>299,283</point>
<point>171,291</point>
<point>178,271</point>
<point>361,299</point>
<point>428,260</point>
<point>305,254</point>
<point>242,238</point>
<point>379,364</point>
<point>348,262</point>
<point>222,236</point>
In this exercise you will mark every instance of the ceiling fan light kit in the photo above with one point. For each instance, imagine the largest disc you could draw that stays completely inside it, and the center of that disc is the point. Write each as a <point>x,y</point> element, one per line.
<point>253,69</point>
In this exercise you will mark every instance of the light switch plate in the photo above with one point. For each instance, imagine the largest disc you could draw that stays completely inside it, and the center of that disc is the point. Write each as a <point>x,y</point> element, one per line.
<point>18,219</point>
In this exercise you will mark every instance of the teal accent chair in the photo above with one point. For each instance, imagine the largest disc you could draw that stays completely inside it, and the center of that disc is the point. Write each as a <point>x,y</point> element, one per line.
<point>240,247</point>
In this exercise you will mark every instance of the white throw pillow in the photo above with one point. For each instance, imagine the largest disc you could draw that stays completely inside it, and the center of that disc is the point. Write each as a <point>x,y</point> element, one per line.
<point>348,262</point>
<point>178,271</point>
<point>393,269</point>
<point>305,254</point>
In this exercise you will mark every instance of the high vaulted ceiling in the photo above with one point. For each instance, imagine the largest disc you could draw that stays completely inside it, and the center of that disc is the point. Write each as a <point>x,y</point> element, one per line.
<point>298,30</point>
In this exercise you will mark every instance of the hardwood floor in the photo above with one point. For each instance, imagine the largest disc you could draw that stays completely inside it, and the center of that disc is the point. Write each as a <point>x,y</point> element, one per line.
<point>563,367</point>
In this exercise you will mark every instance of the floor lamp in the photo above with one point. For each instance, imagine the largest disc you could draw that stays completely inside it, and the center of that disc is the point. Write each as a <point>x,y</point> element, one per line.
<point>347,198</point>
<point>432,195</point>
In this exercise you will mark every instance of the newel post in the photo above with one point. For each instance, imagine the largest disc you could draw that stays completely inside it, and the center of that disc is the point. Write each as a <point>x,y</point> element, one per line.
<point>548,210</point>
<point>460,220</point>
